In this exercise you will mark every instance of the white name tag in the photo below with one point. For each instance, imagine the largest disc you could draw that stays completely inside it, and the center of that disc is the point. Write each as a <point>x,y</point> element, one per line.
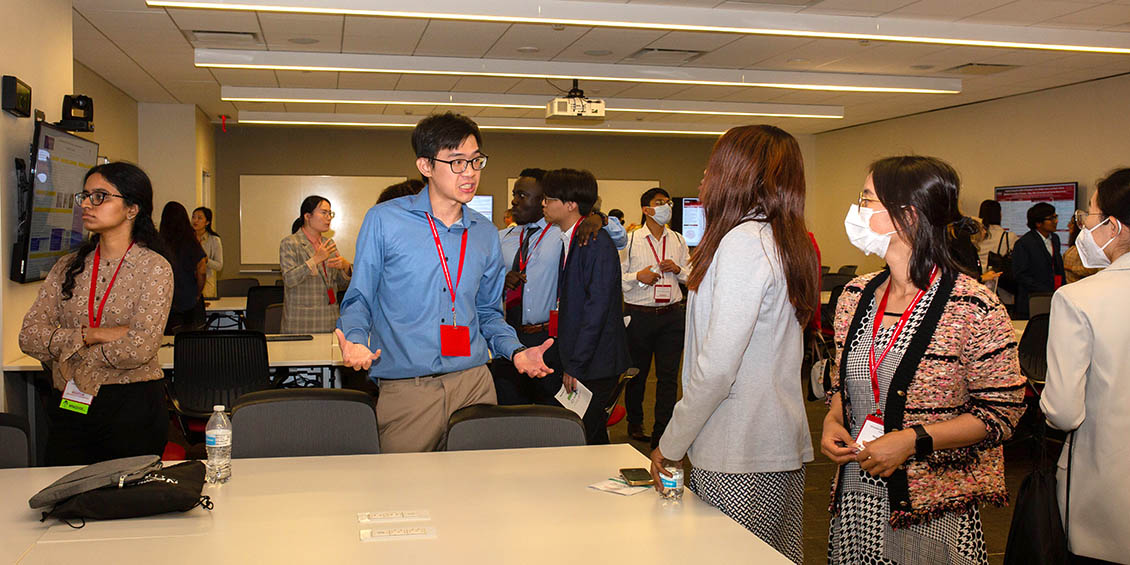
<point>872,430</point>
<point>663,292</point>
<point>73,394</point>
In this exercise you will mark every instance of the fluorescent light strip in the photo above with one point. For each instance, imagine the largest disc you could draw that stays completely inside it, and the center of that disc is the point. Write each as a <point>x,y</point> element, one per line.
<point>505,124</point>
<point>486,127</point>
<point>502,18</point>
<point>789,86</point>
<point>520,107</point>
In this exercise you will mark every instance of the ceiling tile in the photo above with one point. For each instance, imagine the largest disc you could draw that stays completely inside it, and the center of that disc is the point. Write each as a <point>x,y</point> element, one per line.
<point>656,91</point>
<point>707,93</point>
<point>317,108</point>
<point>948,10</point>
<point>759,6</point>
<point>245,77</point>
<point>814,54</point>
<point>546,39</point>
<point>299,25</point>
<point>753,95</point>
<point>1026,12</point>
<point>748,51</point>
<point>306,79</point>
<point>359,108</point>
<point>619,43</point>
<point>485,84</point>
<point>389,36</point>
<point>856,7</point>
<point>368,81</point>
<point>604,88</point>
<point>536,86</point>
<point>1096,17</point>
<point>215,20</point>
<point>260,106</point>
<point>426,82</point>
<point>694,41</point>
<point>459,39</point>
<point>887,58</point>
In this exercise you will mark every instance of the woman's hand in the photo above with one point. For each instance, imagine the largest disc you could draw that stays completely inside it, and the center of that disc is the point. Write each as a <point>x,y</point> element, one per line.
<point>338,262</point>
<point>657,463</point>
<point>95,336</point>
<point>836,442</point>
<point>323,250</point>
<point>884,455</point>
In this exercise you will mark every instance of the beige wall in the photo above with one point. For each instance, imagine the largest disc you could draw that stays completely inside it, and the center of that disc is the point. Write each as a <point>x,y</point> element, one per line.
<point>115,116</point>
<point>676,162</point>
<point>205,162</point>
<point>48,69</point>
<point>167,152</point>
<point>1074,133</point>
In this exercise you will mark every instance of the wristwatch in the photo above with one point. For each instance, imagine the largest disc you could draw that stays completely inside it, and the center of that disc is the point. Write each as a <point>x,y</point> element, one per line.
<point>517,351</point>
<point>923,442</point>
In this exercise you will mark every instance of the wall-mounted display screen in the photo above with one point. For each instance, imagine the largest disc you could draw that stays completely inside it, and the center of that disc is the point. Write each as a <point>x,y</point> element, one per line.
<point>1016,200</point>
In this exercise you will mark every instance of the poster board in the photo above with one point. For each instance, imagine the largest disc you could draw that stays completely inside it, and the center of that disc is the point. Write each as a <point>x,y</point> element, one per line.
<point>614,193</point>
<point>268,205</point>
<point>1016,200</point>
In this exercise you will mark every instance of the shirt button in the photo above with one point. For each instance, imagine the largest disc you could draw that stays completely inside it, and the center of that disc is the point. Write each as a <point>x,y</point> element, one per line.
<point>903,503</point>
<point>900,393</point>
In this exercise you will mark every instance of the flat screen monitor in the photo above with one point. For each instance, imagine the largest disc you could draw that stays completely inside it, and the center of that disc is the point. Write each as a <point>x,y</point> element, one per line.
<point>483,204</point>
<point>1016,200</point>
<point>50,224</point>
<point>692,219</point>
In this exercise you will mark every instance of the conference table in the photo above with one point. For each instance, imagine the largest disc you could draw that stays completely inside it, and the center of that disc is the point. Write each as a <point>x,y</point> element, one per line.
<point>226,304</point>
<point>503,506</point>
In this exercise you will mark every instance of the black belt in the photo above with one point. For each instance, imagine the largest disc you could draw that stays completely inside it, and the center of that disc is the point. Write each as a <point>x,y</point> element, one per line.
<point>657,310</point>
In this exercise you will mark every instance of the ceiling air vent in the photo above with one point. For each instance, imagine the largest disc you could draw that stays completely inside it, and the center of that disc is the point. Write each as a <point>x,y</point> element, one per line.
<point>979,69</point>
<point>659,56</point>
<point>232,39</point>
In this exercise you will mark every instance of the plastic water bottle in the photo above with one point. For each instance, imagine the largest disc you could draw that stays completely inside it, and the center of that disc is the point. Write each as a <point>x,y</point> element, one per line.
<point>217,439</point>
<point>673,485</point>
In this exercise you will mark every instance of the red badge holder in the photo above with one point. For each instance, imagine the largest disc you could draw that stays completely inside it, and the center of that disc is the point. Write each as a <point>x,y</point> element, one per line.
<point>552,323</point>
<point>454,341</point>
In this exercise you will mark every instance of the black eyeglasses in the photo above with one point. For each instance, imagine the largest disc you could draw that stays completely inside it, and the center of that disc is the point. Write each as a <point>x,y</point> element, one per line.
<point>96,198</point>
<point>460,165</point>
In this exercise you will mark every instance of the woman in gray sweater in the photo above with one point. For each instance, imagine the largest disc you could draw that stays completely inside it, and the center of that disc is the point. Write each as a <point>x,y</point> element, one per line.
<point>753,286</point>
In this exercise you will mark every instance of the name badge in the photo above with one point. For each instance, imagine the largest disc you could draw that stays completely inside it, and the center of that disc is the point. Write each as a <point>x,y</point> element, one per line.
<point>454,341</point>
<point>552,323</point>
<point>663,292</point>
<point>872,430</point>
<point>75,400</point>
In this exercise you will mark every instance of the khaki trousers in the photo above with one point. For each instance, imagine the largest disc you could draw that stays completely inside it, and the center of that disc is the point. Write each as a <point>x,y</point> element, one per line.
<point>412,414</point>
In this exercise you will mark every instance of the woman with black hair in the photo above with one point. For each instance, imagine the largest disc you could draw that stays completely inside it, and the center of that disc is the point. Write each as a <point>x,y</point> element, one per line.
<point>926,383</point>
<point>213,248</point>
<point>1088,388</point>
<point>189,268</point>
<point>313,272</point>
<point>97,326</point>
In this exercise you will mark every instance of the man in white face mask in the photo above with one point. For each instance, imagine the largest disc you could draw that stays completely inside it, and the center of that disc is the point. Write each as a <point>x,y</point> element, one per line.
<point>654,264</point>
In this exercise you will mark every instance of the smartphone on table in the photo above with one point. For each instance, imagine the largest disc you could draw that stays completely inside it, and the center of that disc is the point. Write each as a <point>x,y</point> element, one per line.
<point>636,477</point>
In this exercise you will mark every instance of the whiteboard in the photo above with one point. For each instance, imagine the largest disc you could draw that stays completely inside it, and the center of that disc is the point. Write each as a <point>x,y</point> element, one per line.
<point>622,194</point>
<point>268,205</point>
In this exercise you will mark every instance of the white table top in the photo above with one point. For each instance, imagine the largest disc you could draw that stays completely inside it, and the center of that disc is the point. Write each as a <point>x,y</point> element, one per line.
<point>226,304</point>
<point>825,296</point>
<point>321,351</point>
<point>1019,326</point>
<point>512,506</point>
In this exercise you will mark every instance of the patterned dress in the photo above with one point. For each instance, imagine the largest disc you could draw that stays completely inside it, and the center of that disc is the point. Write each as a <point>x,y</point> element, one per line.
<point>771,505</point>
<point>860,529</point>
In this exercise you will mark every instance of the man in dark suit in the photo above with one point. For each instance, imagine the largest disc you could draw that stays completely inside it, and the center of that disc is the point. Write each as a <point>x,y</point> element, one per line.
<point>591,340</point>
<point>1036,260</point>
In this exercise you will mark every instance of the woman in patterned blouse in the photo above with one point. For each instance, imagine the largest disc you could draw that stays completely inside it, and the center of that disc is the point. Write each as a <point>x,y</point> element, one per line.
<point>97,326</point>
<point>313,272</point>
<point>926,384</point>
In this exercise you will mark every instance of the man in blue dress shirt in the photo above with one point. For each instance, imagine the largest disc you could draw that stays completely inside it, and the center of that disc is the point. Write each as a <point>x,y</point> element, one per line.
<point>422,308</point>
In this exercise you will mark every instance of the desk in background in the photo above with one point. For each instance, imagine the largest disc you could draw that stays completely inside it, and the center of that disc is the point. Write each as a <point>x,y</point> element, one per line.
<point>507,507</point>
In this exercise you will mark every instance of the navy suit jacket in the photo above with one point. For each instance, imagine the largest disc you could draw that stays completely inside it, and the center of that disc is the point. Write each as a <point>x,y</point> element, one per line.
<point>1034,269</point>
<point>591,340</point>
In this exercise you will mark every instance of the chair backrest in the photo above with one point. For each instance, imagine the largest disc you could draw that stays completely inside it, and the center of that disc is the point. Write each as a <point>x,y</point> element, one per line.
<point>620,386</point>
<point>848,270</point>
<point>14,445</point>
<point>258,298</point>
<point>278,282</point>
<point>828,311</point>
<point>1039,303</point>
<point>484,426</point>
<point>824,269</point>
<point>217,367</point>
<point>272,320</point>
<point>1033,349</point>
<point>235,287</point>
<point>303,422</point>
<point>832,280</point>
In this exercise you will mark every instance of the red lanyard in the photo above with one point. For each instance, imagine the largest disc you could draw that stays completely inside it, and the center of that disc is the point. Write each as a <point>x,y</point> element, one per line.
<point>443,263</point>
<point>523,261</point>
<point>96,321</point>
<point>872,363</point>
<point>659,259</point>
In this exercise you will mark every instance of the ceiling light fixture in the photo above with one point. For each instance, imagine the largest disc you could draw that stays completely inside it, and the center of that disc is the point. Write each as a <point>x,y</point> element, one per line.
<point>515,68</point>
<point>560,13</point>
<point>502,124</point>
<point>520,102</point>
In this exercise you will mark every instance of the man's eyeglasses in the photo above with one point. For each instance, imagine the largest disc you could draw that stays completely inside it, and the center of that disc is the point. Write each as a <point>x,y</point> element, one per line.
<point>1080,216</point>
<point>96,198</point>
<point>460,165</point>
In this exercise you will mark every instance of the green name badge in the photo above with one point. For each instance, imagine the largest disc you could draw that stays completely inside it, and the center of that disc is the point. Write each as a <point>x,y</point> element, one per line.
<point>74,406</point>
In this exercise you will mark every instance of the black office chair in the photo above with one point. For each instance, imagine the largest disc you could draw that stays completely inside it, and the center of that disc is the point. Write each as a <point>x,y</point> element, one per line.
<point>258,299</point>
<point>828,312</point>
<point>848,270</point>
<point>484,426</point>
<point>824,269</point>
<point>235,287</point>
<point>215,367</point>
<point>1033,350</point>
<point>317,422</point>
<point>15,448</point>
<point>1039,303</point>
<point>278,282</point>
<point>272,320</point>
<point>832,280</point>
<point>615,411</point>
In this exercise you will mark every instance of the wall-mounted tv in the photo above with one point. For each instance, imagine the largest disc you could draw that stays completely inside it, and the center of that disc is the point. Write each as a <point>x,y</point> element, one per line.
<point>483,204</point>
<point>689,219</point>
<point>1016,200</point>
<point>50,225</point>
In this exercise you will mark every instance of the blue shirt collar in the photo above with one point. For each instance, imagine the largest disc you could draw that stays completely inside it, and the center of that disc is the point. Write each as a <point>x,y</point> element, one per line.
<point>422,202</point>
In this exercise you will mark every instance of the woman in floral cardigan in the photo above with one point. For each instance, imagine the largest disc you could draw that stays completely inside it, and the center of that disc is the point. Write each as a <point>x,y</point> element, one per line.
<point>927,383</point>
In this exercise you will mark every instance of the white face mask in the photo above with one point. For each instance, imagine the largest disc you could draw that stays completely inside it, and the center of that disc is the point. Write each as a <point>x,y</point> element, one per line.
<point>662,214</point>
<point>857,223</point>
<point>1090,253</point>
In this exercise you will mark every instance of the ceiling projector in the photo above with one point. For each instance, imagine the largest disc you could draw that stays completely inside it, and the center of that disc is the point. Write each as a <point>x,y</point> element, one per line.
<point>574,105</point>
